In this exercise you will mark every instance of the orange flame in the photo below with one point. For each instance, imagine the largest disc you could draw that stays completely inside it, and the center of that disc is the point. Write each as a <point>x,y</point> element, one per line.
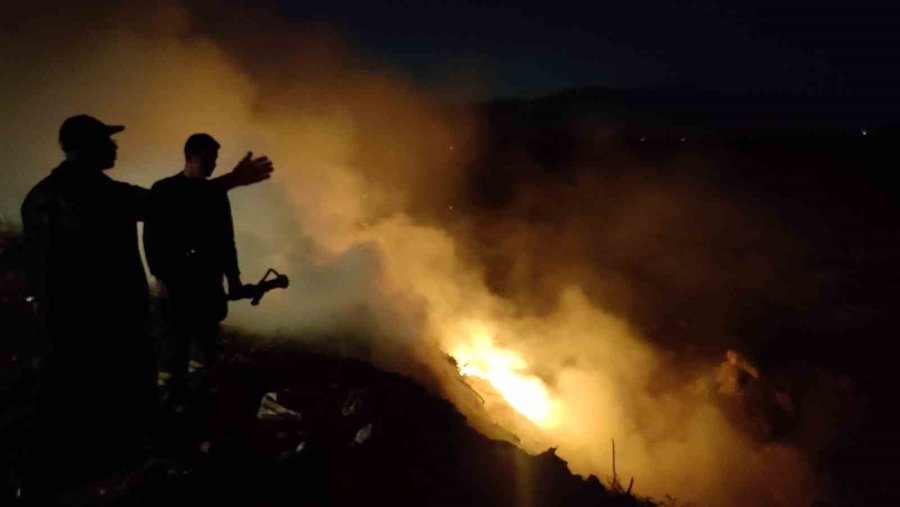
<point>506,371</point>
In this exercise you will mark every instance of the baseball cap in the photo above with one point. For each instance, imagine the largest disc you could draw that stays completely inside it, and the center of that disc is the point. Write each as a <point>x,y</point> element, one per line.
<point>81,130</point>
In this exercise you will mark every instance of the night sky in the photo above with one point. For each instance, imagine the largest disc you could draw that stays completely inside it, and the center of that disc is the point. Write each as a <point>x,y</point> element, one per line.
<point>801,47</point>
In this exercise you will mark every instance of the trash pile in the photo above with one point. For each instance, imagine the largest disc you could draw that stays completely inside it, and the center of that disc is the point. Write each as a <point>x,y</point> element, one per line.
<point>285,427</point>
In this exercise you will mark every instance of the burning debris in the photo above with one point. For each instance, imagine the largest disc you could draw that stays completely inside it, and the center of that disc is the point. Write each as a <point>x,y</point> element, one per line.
<point>753,401</point>
<point>507,374</point>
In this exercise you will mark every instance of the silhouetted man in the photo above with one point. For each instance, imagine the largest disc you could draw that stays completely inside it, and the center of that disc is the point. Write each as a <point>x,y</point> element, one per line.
<point>84,267</point>
<point>189,242</point>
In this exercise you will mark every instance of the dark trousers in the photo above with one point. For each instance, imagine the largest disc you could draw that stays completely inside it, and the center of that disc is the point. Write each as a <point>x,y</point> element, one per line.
<point>95,404</point>
<point>186,332</point>
<point>195,313</point>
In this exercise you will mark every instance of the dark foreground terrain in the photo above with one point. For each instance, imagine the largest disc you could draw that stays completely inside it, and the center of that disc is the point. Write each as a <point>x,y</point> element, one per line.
<point>281,426</point>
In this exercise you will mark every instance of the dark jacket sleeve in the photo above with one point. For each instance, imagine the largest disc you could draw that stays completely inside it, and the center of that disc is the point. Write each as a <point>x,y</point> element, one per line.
<point>229,250</point>
<point>155,248</point>
<point>37,222</point>
<point>141,201</point>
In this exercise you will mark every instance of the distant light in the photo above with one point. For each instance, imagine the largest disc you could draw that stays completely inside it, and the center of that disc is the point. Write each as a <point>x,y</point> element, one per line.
<point>643,139</point>
<point>865,132</point>
<point>683,139</point>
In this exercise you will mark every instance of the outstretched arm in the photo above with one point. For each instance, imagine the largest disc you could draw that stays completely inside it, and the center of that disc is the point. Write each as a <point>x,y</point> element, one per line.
<point>248,171</point>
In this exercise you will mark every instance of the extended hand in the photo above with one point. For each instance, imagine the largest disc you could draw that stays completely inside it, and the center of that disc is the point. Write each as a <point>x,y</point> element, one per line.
<point>251,170</point>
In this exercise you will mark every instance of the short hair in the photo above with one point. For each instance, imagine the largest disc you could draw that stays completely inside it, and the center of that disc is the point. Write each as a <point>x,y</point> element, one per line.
<point>199,143</point>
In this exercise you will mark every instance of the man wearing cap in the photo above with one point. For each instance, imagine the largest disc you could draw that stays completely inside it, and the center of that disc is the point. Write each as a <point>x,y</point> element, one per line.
<point>84,267</point>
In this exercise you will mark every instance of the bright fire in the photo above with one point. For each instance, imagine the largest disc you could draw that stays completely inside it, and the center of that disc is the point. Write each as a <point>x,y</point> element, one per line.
<point>505,371</point>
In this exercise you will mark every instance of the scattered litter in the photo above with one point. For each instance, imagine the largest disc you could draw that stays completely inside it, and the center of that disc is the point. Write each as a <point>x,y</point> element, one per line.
<point>163,378</point>
<point>269,408</point>
<point>288,453</point>
<point>175,472</point>
<point>353,402</point>
<point>363,434</point>
<point>194,366</point>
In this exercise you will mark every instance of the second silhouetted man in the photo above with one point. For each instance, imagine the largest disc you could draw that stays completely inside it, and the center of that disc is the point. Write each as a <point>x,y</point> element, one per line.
<point>189,243</point>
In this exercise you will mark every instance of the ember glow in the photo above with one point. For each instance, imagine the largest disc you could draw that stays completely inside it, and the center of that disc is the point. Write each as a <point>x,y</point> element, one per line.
<point>506,372</point>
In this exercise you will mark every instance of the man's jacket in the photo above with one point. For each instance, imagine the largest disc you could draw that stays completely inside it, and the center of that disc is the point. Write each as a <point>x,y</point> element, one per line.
<point>189,242</point>
<point>83,262</point>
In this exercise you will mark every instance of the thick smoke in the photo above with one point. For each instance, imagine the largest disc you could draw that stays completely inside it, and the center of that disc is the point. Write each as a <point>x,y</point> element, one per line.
<point>391,258</point>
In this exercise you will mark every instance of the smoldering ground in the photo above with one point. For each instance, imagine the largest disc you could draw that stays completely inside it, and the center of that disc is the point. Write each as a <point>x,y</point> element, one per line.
<point>607,297</point>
